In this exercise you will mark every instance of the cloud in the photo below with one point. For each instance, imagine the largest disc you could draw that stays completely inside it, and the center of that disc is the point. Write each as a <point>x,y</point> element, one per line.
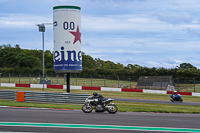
<point>132,23</point>
<point>87,44</point>
<point>193,31</point>
<point>177,61</point>
<point>174,17</point>
<point>168,63</point>
<point>22,21</point>
<point>113,23</point>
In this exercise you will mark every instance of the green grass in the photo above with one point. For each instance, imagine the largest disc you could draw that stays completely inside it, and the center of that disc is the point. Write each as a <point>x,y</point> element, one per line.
<point>122,106</point>
<point>154,107</point>
<point>39,105</point>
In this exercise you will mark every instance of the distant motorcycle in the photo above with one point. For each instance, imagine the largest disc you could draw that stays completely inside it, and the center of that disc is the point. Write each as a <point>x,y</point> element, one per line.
<point>94,103</point>
<point>176,98</point>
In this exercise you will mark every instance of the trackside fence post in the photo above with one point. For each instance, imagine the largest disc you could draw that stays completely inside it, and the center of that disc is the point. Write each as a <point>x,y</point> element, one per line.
<point>19,78</point>
<point>104,81</point>
<point>76,79</point>
<point>57,78</point>
<point>29,78</point>
<point>91,79</point>
<point>9,77</point>
<point>0,77</point>
<point>118,80</point>
<point>194,84</point>
<point>64,78</point>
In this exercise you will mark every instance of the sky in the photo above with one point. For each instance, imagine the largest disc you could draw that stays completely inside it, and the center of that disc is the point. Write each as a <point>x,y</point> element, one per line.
<point>150,33</point>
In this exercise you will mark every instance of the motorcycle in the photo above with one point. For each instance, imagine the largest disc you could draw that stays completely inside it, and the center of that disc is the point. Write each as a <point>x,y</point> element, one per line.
<point>94,103</point>
<point>176,98</point>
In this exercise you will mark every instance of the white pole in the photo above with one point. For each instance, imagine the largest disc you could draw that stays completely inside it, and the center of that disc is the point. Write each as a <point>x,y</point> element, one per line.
<point>43,57</point>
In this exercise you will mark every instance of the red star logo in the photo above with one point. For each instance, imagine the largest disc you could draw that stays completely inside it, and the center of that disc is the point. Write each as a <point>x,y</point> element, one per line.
<point>77,35</point>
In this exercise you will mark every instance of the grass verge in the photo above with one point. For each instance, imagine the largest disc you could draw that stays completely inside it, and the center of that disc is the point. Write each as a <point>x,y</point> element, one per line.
<point>155,107</point>
<point>39,105</point>
<point>122,107</point>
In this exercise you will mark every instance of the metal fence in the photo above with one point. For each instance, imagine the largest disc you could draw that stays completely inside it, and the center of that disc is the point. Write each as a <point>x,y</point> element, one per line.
<point>45,97</point>
<point>167,82</point>
<point>189,85</point>
<point>75,79</point>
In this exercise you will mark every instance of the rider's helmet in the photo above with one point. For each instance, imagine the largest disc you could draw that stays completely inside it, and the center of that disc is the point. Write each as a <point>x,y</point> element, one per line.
<point>175,92</point>
<point>95,93</point>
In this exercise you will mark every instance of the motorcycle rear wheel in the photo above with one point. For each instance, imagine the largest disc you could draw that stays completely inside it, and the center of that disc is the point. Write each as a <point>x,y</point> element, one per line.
<point>171,100</point>
<point>87,108</point>
<point>113,109</point>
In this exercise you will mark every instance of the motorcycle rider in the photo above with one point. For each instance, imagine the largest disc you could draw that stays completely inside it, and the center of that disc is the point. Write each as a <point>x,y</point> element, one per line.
<point>174,95</point>
<point>99,96</point>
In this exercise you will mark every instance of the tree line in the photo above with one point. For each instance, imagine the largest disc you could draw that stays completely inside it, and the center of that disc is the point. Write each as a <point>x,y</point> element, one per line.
<point>15,60</point>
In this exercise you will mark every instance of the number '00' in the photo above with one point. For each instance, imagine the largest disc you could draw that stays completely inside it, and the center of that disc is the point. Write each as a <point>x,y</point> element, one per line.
<point>68,26</point>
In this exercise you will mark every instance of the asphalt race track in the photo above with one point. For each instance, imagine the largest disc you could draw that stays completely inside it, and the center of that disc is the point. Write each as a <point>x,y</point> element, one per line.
<point>14,119</point>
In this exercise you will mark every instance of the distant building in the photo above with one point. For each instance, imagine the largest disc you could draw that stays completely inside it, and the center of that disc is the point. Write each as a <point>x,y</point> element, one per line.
<point>156,83</point>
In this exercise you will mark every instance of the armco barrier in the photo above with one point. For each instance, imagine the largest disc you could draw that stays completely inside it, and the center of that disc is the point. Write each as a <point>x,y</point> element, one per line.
<point>181,93</point>
<point>195,94</point>
<point>45,97</point>
<point>74,87</point>
<point>55,97</point>
<point>38,86</point>
<point>91,88</point>
<point>8,84</point>
<point>55,86</point>
<point>8,95</point>
<point>110,89</point>
<point>131,90</point>
<point>155,91</point>
<point>23,85</point>
<point>97,88</point>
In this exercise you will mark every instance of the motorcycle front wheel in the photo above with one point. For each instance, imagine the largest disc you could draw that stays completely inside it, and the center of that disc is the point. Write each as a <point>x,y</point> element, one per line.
<point>180,100</point>
<point>112,109</point>
<point>171,100</point>
<point>87,108</point>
